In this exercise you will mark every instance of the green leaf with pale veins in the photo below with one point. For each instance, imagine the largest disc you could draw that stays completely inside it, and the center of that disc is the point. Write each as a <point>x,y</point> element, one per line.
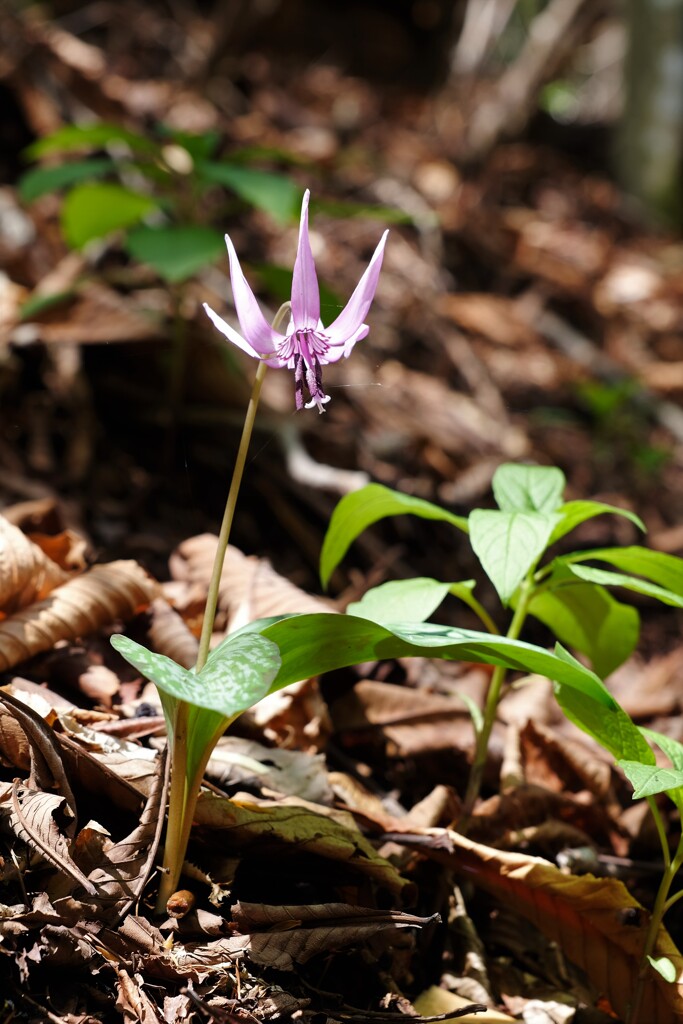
<point>401,600</point>
<point>573,513</point>
<point>509,544</point>
<point>648,779</point>
<point>618,579</point>
<point>520,488</point>
<point>233,680</point>
<point>356,511</point>
<point>664,570</point>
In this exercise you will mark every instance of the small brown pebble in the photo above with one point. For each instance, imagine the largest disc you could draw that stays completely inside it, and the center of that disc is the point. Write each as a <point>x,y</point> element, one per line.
<point>180,903</point>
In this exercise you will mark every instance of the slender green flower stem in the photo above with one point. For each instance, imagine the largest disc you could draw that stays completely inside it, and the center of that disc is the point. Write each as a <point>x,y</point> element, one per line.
<point>184,792</point>
<point>491,707</point>
<point>662,904</point>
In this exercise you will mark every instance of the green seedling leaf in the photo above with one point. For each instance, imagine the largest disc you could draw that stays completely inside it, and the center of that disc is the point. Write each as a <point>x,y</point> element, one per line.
<point>356,511</point>
<point>663,966</point>
<point>175,252</point>
<point>607,723</point>
<point>648,779</point>
<point>617,579</point>
<point>573,513</point>
<point>671,747</point>
<point>89,136</point>
<point>238,674</point>
<point>273,193</point>
<point>508,545</point>
<point>41,180</point>
<point>321,642</point>
<point>95,210</point>
<point>519,488</point>
<point>664,570</point>
<point>401,601</point>
<point>588,618</point>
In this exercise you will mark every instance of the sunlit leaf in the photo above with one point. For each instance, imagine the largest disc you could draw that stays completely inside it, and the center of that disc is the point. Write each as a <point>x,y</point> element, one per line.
<point>356,511</point>
<point>520,488</point>
<point>413,600</point>
<point>588,618</point>
<point>648,779</point>
<point>573,513</point>
<point>508,545</point>
<point>95,210</point>
<point>664,570</point>
<point>618,579</point>
<point>664,966</point>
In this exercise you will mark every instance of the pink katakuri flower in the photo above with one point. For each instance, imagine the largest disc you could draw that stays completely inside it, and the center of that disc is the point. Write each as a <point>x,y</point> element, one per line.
<point>307,345</point>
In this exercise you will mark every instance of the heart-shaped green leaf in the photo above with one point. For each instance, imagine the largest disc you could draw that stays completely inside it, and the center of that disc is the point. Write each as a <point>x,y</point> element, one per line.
<point>519,488</point>
<point>508,545</point>
<point>356,511</point>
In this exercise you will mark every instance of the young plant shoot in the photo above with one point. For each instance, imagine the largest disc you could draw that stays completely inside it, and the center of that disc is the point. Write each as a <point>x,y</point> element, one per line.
<point>199,705</point>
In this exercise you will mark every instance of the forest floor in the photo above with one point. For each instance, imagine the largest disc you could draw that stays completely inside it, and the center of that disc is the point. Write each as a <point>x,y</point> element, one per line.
<point>524,314</point>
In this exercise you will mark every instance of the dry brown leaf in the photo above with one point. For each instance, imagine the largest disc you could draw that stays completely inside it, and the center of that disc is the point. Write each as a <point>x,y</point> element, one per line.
<point>587,917</point>
<point>169,634</point>
<point>250,588</point>
<point>116,590</point>
<point>33,821</point>
<point>68,549</point>
<point>294,772</point>
<point>248,822</point>
<point>282,937</point>
<point>27,574</point>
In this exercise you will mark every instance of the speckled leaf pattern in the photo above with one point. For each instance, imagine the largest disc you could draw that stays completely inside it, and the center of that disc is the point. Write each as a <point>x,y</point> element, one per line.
<point>235,677</point>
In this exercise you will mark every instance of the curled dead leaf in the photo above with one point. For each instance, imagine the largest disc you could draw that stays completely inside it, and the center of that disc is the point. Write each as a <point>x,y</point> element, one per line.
<point>27,574</point>
<point>584,915</point>
<point>116,590</point>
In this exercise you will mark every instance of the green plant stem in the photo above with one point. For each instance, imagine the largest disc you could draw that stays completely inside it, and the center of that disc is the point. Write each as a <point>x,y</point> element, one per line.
<point>491,707</point>
<point>662,903</point>
<point>184,792</point>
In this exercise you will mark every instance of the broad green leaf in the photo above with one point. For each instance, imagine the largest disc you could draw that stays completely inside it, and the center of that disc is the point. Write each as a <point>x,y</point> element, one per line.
<point>610,726</point>
<point>508,545</point>
<point>321,642</point>
<point>89,136</point>
<point>175,252</point>
<point>671,747</point>
<point>588,618</point>
<point>618,579</point>
<point>40,180</point>
<point>664,966</point>
<point>519,488</point>
<point>274,193</point>
<point>401,601</point>
<point>237,677</point>
<point>356,511</point>
<point>648,779</point>
<point>664,570</point>
<point>573,513</point>
<point>95,210</point>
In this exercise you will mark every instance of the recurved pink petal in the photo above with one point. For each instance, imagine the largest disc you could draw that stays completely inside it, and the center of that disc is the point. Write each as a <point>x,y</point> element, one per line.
<point>344,329</point>
<point>305,291</point>
<point>258,333</point>
<point>342,350</point>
